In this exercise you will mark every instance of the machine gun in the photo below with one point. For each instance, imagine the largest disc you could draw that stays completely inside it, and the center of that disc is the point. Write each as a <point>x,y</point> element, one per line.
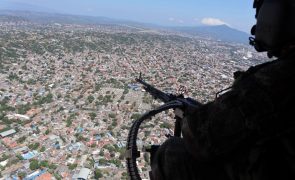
<point>176,102</point>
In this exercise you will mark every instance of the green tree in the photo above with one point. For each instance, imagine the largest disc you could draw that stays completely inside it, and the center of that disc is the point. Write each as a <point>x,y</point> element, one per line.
<point>116,162</point>
<point>34,164</point>
<point>34,146</point>
<point>112,115</point>
<point>22,109</point>
<point>69,122</point>
<point>44,164</point>
<point>101,153</point>
<point>72,166</point>
<point>22,175</point>
<point>19,157</point>
<point>166,125</point>
<point>114,123</point>
<point>90,98</point>
<point>4,157</point>
<point>136,116</point>
<point>43,100</point>
<point>42,149</point>
<point>21,139</point>
<point>52,166</point>
<point>93,145</point>
<point>124,175</point>
<point>57,176</point>
<point>126,90</point>
<point>103,161</point>
<point>92,115</point>
<point>97,174</point>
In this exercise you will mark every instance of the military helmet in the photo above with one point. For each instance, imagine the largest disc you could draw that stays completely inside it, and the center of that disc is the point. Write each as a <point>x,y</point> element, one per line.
<point>275,27</point>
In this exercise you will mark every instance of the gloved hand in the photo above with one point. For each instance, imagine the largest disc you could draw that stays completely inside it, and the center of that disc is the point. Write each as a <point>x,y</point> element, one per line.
<point>191,132</point>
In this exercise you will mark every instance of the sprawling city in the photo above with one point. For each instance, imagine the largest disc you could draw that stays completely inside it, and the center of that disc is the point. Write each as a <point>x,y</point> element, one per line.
<point>68,94</point>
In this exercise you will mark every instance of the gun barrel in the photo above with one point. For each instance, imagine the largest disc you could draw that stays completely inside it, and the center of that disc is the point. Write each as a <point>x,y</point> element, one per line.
<point>156,93</point>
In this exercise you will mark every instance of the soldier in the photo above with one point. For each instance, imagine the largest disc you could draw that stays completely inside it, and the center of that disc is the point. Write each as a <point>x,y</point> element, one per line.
<point>248,132</point>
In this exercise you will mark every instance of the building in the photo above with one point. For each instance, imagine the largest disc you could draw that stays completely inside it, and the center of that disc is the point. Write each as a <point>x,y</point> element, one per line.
<point>35,175</point>
<point>18,116</point>
<point>83,174</point>
<point>45,176</point>
<point>30,155</point>
<point>7,133</point>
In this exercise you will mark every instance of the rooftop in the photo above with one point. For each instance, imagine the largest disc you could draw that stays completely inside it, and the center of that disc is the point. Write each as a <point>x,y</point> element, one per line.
<point>7,133</point>
<point>84,173</point>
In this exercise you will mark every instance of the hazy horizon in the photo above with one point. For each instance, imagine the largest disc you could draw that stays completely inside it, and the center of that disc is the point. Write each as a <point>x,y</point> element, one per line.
<point>237,14</point>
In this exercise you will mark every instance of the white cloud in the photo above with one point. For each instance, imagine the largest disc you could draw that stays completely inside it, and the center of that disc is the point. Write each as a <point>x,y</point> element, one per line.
<point>212,21</point>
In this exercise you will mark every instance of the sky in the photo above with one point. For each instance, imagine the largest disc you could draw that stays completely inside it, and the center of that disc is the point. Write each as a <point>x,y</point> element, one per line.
<point>235,13</point>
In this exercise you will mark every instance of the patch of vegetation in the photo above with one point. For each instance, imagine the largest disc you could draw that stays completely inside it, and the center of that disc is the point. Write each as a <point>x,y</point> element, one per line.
<point>72,166</point>
<point>34,146</point>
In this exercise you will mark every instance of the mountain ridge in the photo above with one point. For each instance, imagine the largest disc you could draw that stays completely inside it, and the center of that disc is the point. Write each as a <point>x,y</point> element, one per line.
<point>219,33</point>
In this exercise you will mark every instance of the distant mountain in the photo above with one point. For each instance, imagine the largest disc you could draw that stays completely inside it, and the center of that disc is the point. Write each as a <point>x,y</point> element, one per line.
<point>18,6</point>
<point>45,18</point>
<point>221,32</point>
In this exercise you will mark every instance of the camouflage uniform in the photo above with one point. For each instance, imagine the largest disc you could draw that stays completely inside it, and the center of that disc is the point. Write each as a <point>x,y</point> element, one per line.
<point>246,133</point>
